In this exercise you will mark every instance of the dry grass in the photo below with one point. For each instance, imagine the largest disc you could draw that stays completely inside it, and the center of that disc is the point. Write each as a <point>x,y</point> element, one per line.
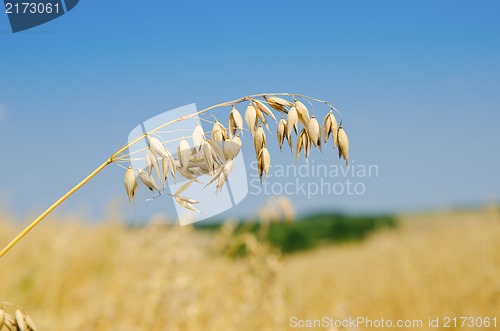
<point>75,277</point>
<point>435,265</point>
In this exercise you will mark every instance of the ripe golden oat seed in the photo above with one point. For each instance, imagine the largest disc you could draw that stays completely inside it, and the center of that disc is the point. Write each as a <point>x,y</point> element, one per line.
<point>219,132</point>
<point>208,153</point>
<point>330,127</point>
<point>251,118</point>
<point>232,147</point>
<point>261,117</point>
<point>264,109</point>
<point>278,103</point>
<point>259,140</point>
<point>303,113</point>
<point>198,137</point>
<point>156,146</point>
<point>281,131</point>
<point>303,142</point>
<point>186,203</point>
<point>292,122</point>
<point>343,145</point>
<point>29,323</point>
<point>21,324</point>
<point>264,162</point>
<point>10,322</point>
<point>147,180</point>
<point>218,153</point>
<point>235,121</point>
<point>130,183</point>
<point>314,131</point>
<point>184,154</point>
<point>152,162</point>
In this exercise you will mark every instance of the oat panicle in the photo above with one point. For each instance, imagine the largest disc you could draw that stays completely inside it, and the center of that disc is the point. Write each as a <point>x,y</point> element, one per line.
<point>210,160</point>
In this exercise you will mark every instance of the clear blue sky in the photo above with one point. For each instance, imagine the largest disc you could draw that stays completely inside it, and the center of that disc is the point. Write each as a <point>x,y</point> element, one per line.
<point>417,82</point>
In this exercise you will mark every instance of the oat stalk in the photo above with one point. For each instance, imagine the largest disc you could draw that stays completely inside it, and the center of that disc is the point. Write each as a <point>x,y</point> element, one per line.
<point>217,159</point>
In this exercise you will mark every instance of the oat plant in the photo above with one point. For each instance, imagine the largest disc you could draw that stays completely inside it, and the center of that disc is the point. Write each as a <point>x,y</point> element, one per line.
<point>19,320</point>
<point>212,153</point>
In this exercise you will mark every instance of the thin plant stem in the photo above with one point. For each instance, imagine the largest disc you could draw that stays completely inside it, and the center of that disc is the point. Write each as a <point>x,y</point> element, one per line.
<point>118,156</point>
<point>51,208</point>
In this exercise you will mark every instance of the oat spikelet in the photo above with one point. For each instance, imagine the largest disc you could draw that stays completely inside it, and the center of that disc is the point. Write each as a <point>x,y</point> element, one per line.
<point>343,145</point>
<point>303,113</point>
<point>2,318</point>
<point>251,118</point>
<point>259,140</point>
<point>261,117</point>
<point>220,175</point>
<point>147,180</point>
<point>278,103</point>
<point>292,122</point>
<point>130,182</point>
<point>183,200</point>
<point>225,169</point>
<point>289,139</point>
<point>164,171</point>
<point>219,132</point>
<point>10,322</point>
<point>264,109</point>
<point>21,324</point>
<point>208,153</point>
<point>198,137</point>
<point>149,160</point>
<point>281,132</point>
<point>314,131</point>
<point>152,162</point>
<point>330,127</point>
<point>216,177</point>
<point>235,121</point>
<point>218,153</point>
<point>186,203</point>
<point>30,324</point>
<point>303,142</point>
<point>264,162</point>
<point>168,164</point>
<point>156,146</point>
<point>232,147</point>
<point>306,142</point>
<point>299,146</point>
<point>184,154</point>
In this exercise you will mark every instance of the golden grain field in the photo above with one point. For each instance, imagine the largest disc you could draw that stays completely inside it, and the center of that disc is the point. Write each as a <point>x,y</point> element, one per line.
<point>72,276</point>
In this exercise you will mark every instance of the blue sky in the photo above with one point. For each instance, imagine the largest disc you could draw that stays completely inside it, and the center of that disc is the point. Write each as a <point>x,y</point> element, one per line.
<point>417,82</point>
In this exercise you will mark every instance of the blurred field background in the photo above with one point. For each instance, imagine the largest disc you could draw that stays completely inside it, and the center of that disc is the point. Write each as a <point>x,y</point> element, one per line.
<point>71,275</point>
<point>417,83</point>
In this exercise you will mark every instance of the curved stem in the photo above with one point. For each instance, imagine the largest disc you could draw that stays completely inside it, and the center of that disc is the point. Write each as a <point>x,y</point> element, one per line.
<point>116,156</point>
<point>224,104</point>
<point>51,208</point>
